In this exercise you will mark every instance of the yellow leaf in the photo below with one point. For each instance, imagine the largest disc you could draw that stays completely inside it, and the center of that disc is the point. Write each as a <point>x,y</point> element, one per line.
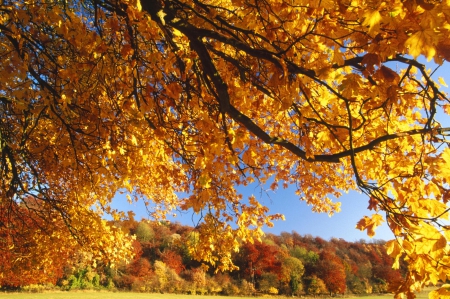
<point>443,166</point>
<point>377,219</point>
<point>205,181</point>
<point>442,81</point>
<point>370,224</point>
<point>161,14</point>
<point>372,19</point>
<point>134,140</point>
<point>422,42</point>
<point>441,293</point>
<point>393,248</point>
<point>177,32</point>
<point>338,57</point>
<point>138,5</point>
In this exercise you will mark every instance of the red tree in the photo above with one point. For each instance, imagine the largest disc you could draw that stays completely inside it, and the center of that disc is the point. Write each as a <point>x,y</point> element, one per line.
<point>332,271</point>
<point>384,270</point>
<point>258,258</point>
<point>173,260</point>
<point>19,265</point>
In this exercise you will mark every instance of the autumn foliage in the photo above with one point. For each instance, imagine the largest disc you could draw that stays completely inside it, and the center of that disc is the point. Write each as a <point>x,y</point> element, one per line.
<point>28,254</point>
<point>332,272</point>
<point>157,98</point>
<point>289,264</point>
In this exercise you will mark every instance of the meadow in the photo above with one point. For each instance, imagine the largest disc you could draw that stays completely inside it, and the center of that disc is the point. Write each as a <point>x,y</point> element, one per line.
<point>128,295</point>
<point>105,295</point>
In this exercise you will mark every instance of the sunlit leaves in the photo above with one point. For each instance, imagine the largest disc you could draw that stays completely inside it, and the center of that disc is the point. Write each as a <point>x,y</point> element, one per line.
<point>180,105</point>
<point>422,42</point>
<point>372,19</point>
<point>442,292</point>
<point>370,224</point>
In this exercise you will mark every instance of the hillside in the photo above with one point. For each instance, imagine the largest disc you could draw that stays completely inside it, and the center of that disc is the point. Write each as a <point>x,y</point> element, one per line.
<point>289,264</point>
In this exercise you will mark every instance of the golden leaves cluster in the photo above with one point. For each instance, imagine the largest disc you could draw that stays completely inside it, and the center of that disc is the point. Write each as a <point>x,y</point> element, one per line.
<point>180,104</point>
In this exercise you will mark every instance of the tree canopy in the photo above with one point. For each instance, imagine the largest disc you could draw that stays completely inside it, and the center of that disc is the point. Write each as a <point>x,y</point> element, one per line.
<point>165,97</point>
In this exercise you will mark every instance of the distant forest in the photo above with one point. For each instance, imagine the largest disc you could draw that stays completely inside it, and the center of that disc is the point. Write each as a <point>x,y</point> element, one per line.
<point>289,264</point>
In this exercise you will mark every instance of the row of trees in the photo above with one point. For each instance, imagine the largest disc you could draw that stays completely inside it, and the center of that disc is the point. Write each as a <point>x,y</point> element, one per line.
<point>288,264</point>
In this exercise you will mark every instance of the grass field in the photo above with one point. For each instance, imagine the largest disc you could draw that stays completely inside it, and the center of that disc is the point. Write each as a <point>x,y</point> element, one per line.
<point>424,294</point>
<point>125,295</point>
<point>105,295</point>
<point>99,295</point>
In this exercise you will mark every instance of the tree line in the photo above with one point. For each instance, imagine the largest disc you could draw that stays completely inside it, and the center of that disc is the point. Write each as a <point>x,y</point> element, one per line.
<point>288,264</point>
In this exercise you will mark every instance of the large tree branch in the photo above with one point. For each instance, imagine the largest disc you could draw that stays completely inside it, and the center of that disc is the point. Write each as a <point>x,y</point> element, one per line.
<point>224,100</point>
<point>334,158</point>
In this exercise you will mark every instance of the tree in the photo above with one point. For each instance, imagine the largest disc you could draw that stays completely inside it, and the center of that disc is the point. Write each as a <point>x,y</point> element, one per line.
<point>292,271</point>
<point>315,286</point>
<point>173,260</point>
<point>144,233</point>
<point>332,272</point>
<point>256,259</point>
<point>20,266</point>
<point>167,279</point>
<point>267,282</point>
<point>165,97</point>
<point>309,258</point>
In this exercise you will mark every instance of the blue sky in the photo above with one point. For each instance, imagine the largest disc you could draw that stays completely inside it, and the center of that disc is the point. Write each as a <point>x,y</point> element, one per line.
<point>299,216</point>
